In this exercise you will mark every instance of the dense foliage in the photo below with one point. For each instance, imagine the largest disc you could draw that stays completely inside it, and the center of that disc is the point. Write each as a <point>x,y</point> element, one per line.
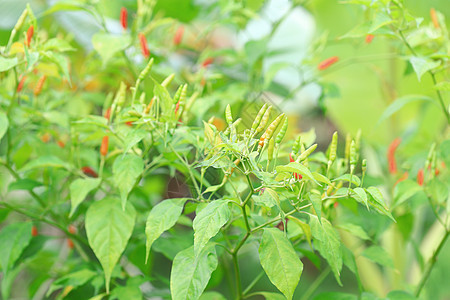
<point>145,154</point>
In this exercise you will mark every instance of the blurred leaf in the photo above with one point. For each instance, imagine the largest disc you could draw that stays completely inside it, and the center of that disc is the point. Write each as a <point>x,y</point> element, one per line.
<point>108,228</point>
<point>99,121</point>
<point>354,229</point>
<point>108,44</point>
<point>162,217</point>
<point>294,167</point>
<point>133,137</point>
<point>273,70</point>
<point>58,45</point>
<point>183,10</point>
<point>255,50</point>
<point>346,177</point>
<point>316,201</point>
<point>14,238</point>
<point>319,177</point>
<point>7,63</point>
<point>377,196</point>
<point>421,65</point>
<point>73,280</point>
<point>191,274</point>
<point>24,184</point>
<point>378,255</point>
<point>443,86</point>
<point>126,170</point>
<point>4,123</point>
<point>405,190</point>
<point>327,242</point>
<point>46,161</point>
<point>272,296</point>
<point>79,189</point>
<point>335,296</point>
<point>208,222</point>
<point>212,296</point>
<point>400,102</point>
<point>279,261</point>
<point>360,196</point>
<point>381,19</point>
<point>400,295</point>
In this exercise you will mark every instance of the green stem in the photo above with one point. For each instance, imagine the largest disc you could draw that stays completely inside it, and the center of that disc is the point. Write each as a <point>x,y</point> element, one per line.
<point>431,264</point>
<point>238,277</point>
<point>315,284</point>
<point>252,284</point>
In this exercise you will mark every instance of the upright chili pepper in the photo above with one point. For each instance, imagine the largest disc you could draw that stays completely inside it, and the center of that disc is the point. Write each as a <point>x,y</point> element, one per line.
<point>332,149</point>
<point>144,46</point>
<point>327,63</point>
<point>228,115</point>
<point>420,177</point>
<point>34,231</point>
<point>434,18</point>
<point>391,155</point>
<point>104,146</point>
<point>108,113</point>
<point>30,33</point>
<point>306,153</point>
<point>21,83</point>
<point>353,156</point>
<point>258,119</point>
<point>123,18</point>
<point>264,120</point>
<point>282,132</point>
<point>207,62</point>
<point>178,36</point>
<point>296,175</point>
<point>265,138</point>
<point>39,85</point>
<point>296,146</point>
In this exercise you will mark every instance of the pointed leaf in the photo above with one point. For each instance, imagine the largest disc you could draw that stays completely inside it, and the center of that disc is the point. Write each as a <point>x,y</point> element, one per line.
<point>279,261</point>
<point>208,222</point>
<point>190,275</point>
<point>378,255</point>
<point>294,167</point>
<point>327,242</point>
<point>126,170</point>
<point>107,44</point>
<point>79,190</point>
<point>7,63</point>
<point>108,228</point>
<point>421,65</point>
<point>360,196</point>
<point>44,162</point>
<point>316,201</point>
<point>133,137</point>
<point>377,196</point>
<point>162,217</point>
<point>305,228</point>
<point>14,238</point>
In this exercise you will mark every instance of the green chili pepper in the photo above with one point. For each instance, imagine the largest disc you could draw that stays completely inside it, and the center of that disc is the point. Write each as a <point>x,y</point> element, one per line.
<point>270,150</point>
<point>270,131</point>
<point>228,115</point>
<point>264,120</point>
<point>177,95</point>
<point>258,118</point>
<point>333,147</point>
<point>348,141</point>
<point>296,146</point>
<point>168,79</point>
<point>364,165</point>
<point>353,155</point>
<point>282,132</point>
<point>306,152</point>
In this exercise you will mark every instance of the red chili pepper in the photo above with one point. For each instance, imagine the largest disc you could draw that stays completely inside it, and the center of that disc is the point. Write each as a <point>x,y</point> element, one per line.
<point>369,38</point>
<point>434,18</point>
<point>177,107</point>
<point>61,144</point>
<point>402,178</point>
<point>296,175</point>
<point>207,62</point>
<point>72,229</point>
<point>30,33</point>
<point>335,204</point>
<point>144,46</point>
<point>21,83</point>
<point>70,243</point>
<point>420,177</point>
<point>129,123</point>
<point>34,231</point>
<point>45,137</point>
<point>178,35</point>
<point>89,172</point>
<point>123,18</point>
<point>327,63</point>
<point>391,155</point>
<point>108,113</point>
<point>39,85</point>
<point>104,146</point>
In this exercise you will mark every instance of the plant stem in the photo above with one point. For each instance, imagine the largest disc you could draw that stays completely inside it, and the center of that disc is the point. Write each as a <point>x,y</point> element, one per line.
<point>252,284</point>
<point>431,264</point>
<point>238,276</point>
<point>315,284</point>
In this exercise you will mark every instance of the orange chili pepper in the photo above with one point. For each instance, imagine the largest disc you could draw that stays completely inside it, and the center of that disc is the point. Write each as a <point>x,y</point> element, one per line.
<point>123,18</point>
<point>104,146</point>
<point>144,46</point>
<point>327,63</point>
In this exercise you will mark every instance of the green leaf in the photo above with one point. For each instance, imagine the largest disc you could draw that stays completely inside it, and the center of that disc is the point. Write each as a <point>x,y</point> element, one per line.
<point>405,190</point>
<point>79,189</point>
<point>272,296</point>
<point>190,275</point>
<point>335,296</point>
<point>108,228</point>
<point>73,280</point>
<point>328,243</point>
<point>354,229</point>
<point>346,177</point>
<point>400,102</point>
<point>360,196</point>
<point>99,121</point>
<point>421,65</point>
<point>208,222</point>
<point>316,201</point>
<point>349,261</point>
<point>108,44</point>
<point>24,184</point>
<point>3,124</point>
<point>7,63</point>
<point>378,255</point>
<point>45,162</point>
<point>126,170</point>
<point>133,137</point>
<point>305,228</point>
<point>14,238</point>
<point>319,177</point>
<point>164,97</point>
<point>377,196</point>
<point>443,86</point>
<point>58,45</point>
<point>162,217</point>
<point>212,296</point>
<point>400,295</point>
<point>294,167</point>
<point>381,19</point>
<point>279,261</point>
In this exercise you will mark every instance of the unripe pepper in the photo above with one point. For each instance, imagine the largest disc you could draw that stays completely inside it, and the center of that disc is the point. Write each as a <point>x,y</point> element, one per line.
<point>258,118</point>
<point>306,153</point>
<point>353,155</point>
<point>168,80</point>
<point>264,120</point>
<point>270,131</point>
<point>296,146</point>
<point>104,146</point>
<point>228,116</point>
<point>282,132</point>
<point>270,149</point>
<point>333,147</point>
